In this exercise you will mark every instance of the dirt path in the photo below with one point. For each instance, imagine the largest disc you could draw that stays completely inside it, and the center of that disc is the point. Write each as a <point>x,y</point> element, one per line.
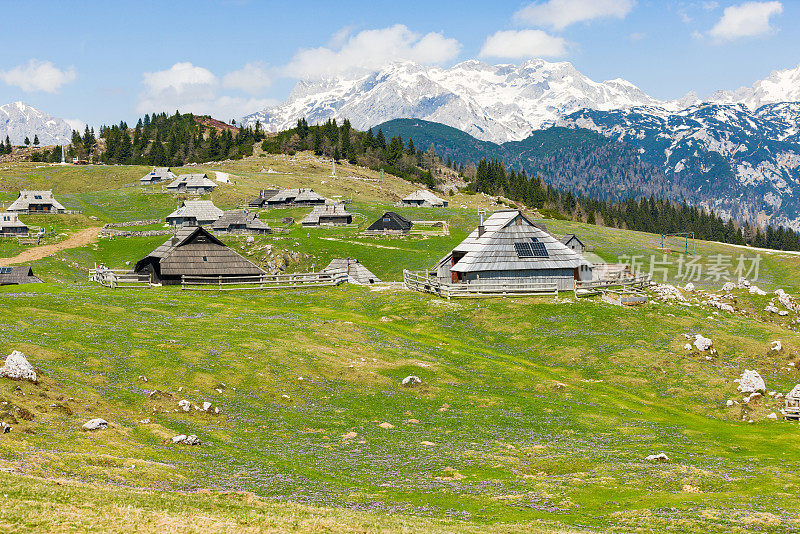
<point>84,237</point>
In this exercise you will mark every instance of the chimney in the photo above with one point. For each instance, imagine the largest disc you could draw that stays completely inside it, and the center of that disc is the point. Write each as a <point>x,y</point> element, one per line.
<point>481,229</point>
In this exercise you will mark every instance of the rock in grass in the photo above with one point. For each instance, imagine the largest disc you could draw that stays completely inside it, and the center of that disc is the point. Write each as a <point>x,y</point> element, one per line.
<point>411,381</point>
<point>776,346</point>
<point>5,428</point>
<point>729,286</point>
<point>702,343</point>
<point>689,287</point>
<point>773,416</point>
<point>17,367</point>
<point>185,405</point>
<point>387,426</point>
<point>751,382</point>
<point>660,457</point>
<point>95,424</point>
<point>186,440</point>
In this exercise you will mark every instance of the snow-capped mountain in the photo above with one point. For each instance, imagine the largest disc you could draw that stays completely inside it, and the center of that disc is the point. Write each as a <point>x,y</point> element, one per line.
<point>19,120</point>
<point>779,86</point>
<point>740,162</point>
<point>493,103</point>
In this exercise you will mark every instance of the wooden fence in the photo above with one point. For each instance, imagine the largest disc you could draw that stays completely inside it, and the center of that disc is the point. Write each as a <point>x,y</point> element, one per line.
<point>264,281</point>
<point>423,282</point>
<point>118,278</point>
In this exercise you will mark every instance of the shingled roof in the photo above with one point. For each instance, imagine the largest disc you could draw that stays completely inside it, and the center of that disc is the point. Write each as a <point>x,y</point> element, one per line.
<point>327,214</point>
<point>509,241</point>
<point>356,272</point>
<point>26,198</point>
<point>202,211</point>
<point>193,251</point>
<point>391,221</point>
<point>10,220</point>
<point>424,197</point>
<point>240,220</point>
<point>158,174</point>
<point>19,274</point>
<point>192,181</point>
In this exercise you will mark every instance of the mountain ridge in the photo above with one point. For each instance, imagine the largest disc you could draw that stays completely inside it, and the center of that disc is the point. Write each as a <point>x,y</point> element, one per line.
<point>19,120</point>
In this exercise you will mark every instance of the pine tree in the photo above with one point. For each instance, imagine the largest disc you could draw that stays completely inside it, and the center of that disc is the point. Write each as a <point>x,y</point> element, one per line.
<point>35,140</point>
<point>27,141</point>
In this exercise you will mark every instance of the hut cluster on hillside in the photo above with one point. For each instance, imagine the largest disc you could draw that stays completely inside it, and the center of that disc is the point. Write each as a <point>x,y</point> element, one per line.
<point>423,198</point>
<point>287,198</point>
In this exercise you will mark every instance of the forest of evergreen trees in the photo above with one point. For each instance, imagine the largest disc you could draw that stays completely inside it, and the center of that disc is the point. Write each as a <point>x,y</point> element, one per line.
<point>644,214</point>
<point>367,149</point>
<point>161,140</point>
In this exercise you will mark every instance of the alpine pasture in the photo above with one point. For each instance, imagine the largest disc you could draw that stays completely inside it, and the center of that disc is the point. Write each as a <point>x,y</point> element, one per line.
<point>533,414</point>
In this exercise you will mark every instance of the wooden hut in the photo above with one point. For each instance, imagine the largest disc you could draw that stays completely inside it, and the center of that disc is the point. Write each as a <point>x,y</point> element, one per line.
<point>157,175</point>
<point>390,223</point>
<point>195,213</point>
<point>10,225</point>
<point>791,404</point>
<point>240,222</point>
<point>195,184</point>
<point>36,202</point>
<point>356,272</point>
<point>509,248</point>
<point>287,198</point>
<point>328,215</point>
<point>193,251</point>
<point>423,198</point>
<point>572,242</point>
<point>18,274</point>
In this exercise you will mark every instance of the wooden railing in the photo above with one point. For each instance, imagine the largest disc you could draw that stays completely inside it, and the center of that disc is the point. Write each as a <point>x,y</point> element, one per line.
<point>264,281</point>
<point>118,278</point>
<point>628,281</point>
<point>422,281</point>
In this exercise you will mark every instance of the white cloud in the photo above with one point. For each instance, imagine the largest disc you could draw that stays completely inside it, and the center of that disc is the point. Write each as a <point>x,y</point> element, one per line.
<point>38,76</point>
<point>558,14</point>
<point>749,19</point>
<point>189,88</point>
<point>637,36</point>
<point>523,44</point>
<point>253,78</point>
<point>371,49</point>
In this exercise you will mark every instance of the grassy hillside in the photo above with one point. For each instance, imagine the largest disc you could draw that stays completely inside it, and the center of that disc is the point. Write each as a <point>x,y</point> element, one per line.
<point>533,415</point>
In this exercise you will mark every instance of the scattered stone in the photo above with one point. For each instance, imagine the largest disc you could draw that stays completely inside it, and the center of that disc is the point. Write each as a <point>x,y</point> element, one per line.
<point>142,378</point>
<point>773,416</point>
<point>776,346</point>
<point>179,438</point>
<point>751,381</point>
<point>783,313</point>
<point>350,435</point>
<point>702,343</point>
<point>386,425</point>
<point>729,403</point>
<point>5,428</point>
<point>771,308</point>
<point>95,424</point>
<point>688,346</point>
<point>660,457</point>
<point>428,443</point>
<point>689,287</point>
<point>411,381</point>
<point>17,367</point>
<point>413,421</point>
<point>755,290</point>
<point>728,286</point>
<point>144,422</point>
<point>668,292</point>
<point>206,406</point>
<point>690,489</point>
<point>191,440</point>
<point>743,283</point>
<point>185,405</point>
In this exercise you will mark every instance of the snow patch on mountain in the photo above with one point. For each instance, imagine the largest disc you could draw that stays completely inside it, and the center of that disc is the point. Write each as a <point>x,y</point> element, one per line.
<point>19,120</point>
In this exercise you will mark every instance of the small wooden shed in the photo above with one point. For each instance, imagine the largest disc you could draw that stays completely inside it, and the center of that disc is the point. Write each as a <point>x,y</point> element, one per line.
<point>572,242</point>
<point>18,274</point>
<point>193,251</point>
<point>158,174</point>
<point>195,213</point>
<point>356,272</point>
<point>240,222</point>
<point>196,184</point>
<point>424,198</point>
<point>328,215</point>
<point>10,225</point>
<point>791,408</point>
<point>390,223</point>
<point>36,202</point>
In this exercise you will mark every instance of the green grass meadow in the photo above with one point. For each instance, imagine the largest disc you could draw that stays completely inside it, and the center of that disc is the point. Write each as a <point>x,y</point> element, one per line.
<point>534,414</point>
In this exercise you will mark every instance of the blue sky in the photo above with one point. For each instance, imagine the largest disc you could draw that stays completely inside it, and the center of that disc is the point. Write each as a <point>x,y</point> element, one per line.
<point>106,61</point>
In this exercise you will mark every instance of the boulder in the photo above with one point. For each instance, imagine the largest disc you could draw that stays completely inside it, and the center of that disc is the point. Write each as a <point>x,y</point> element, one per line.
<point>728,286</point>
<point>773,416</point>
<point>689,287</point>
<point>776,346</point>
<point>755,290</point>
<point>5,428</point>
<point>411,381</point>
<point>660,457</point>
<point>180,438</point>
<point>95,424</point>
<point>702,343</point>
<point>17,367</point>
<point>191,440</point>
<point>751,382</point>
<point>185,405</point>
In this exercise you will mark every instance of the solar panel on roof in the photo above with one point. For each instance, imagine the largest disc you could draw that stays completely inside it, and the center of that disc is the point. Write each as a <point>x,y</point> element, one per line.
<point>532,249</point>
<point>524,250</point>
